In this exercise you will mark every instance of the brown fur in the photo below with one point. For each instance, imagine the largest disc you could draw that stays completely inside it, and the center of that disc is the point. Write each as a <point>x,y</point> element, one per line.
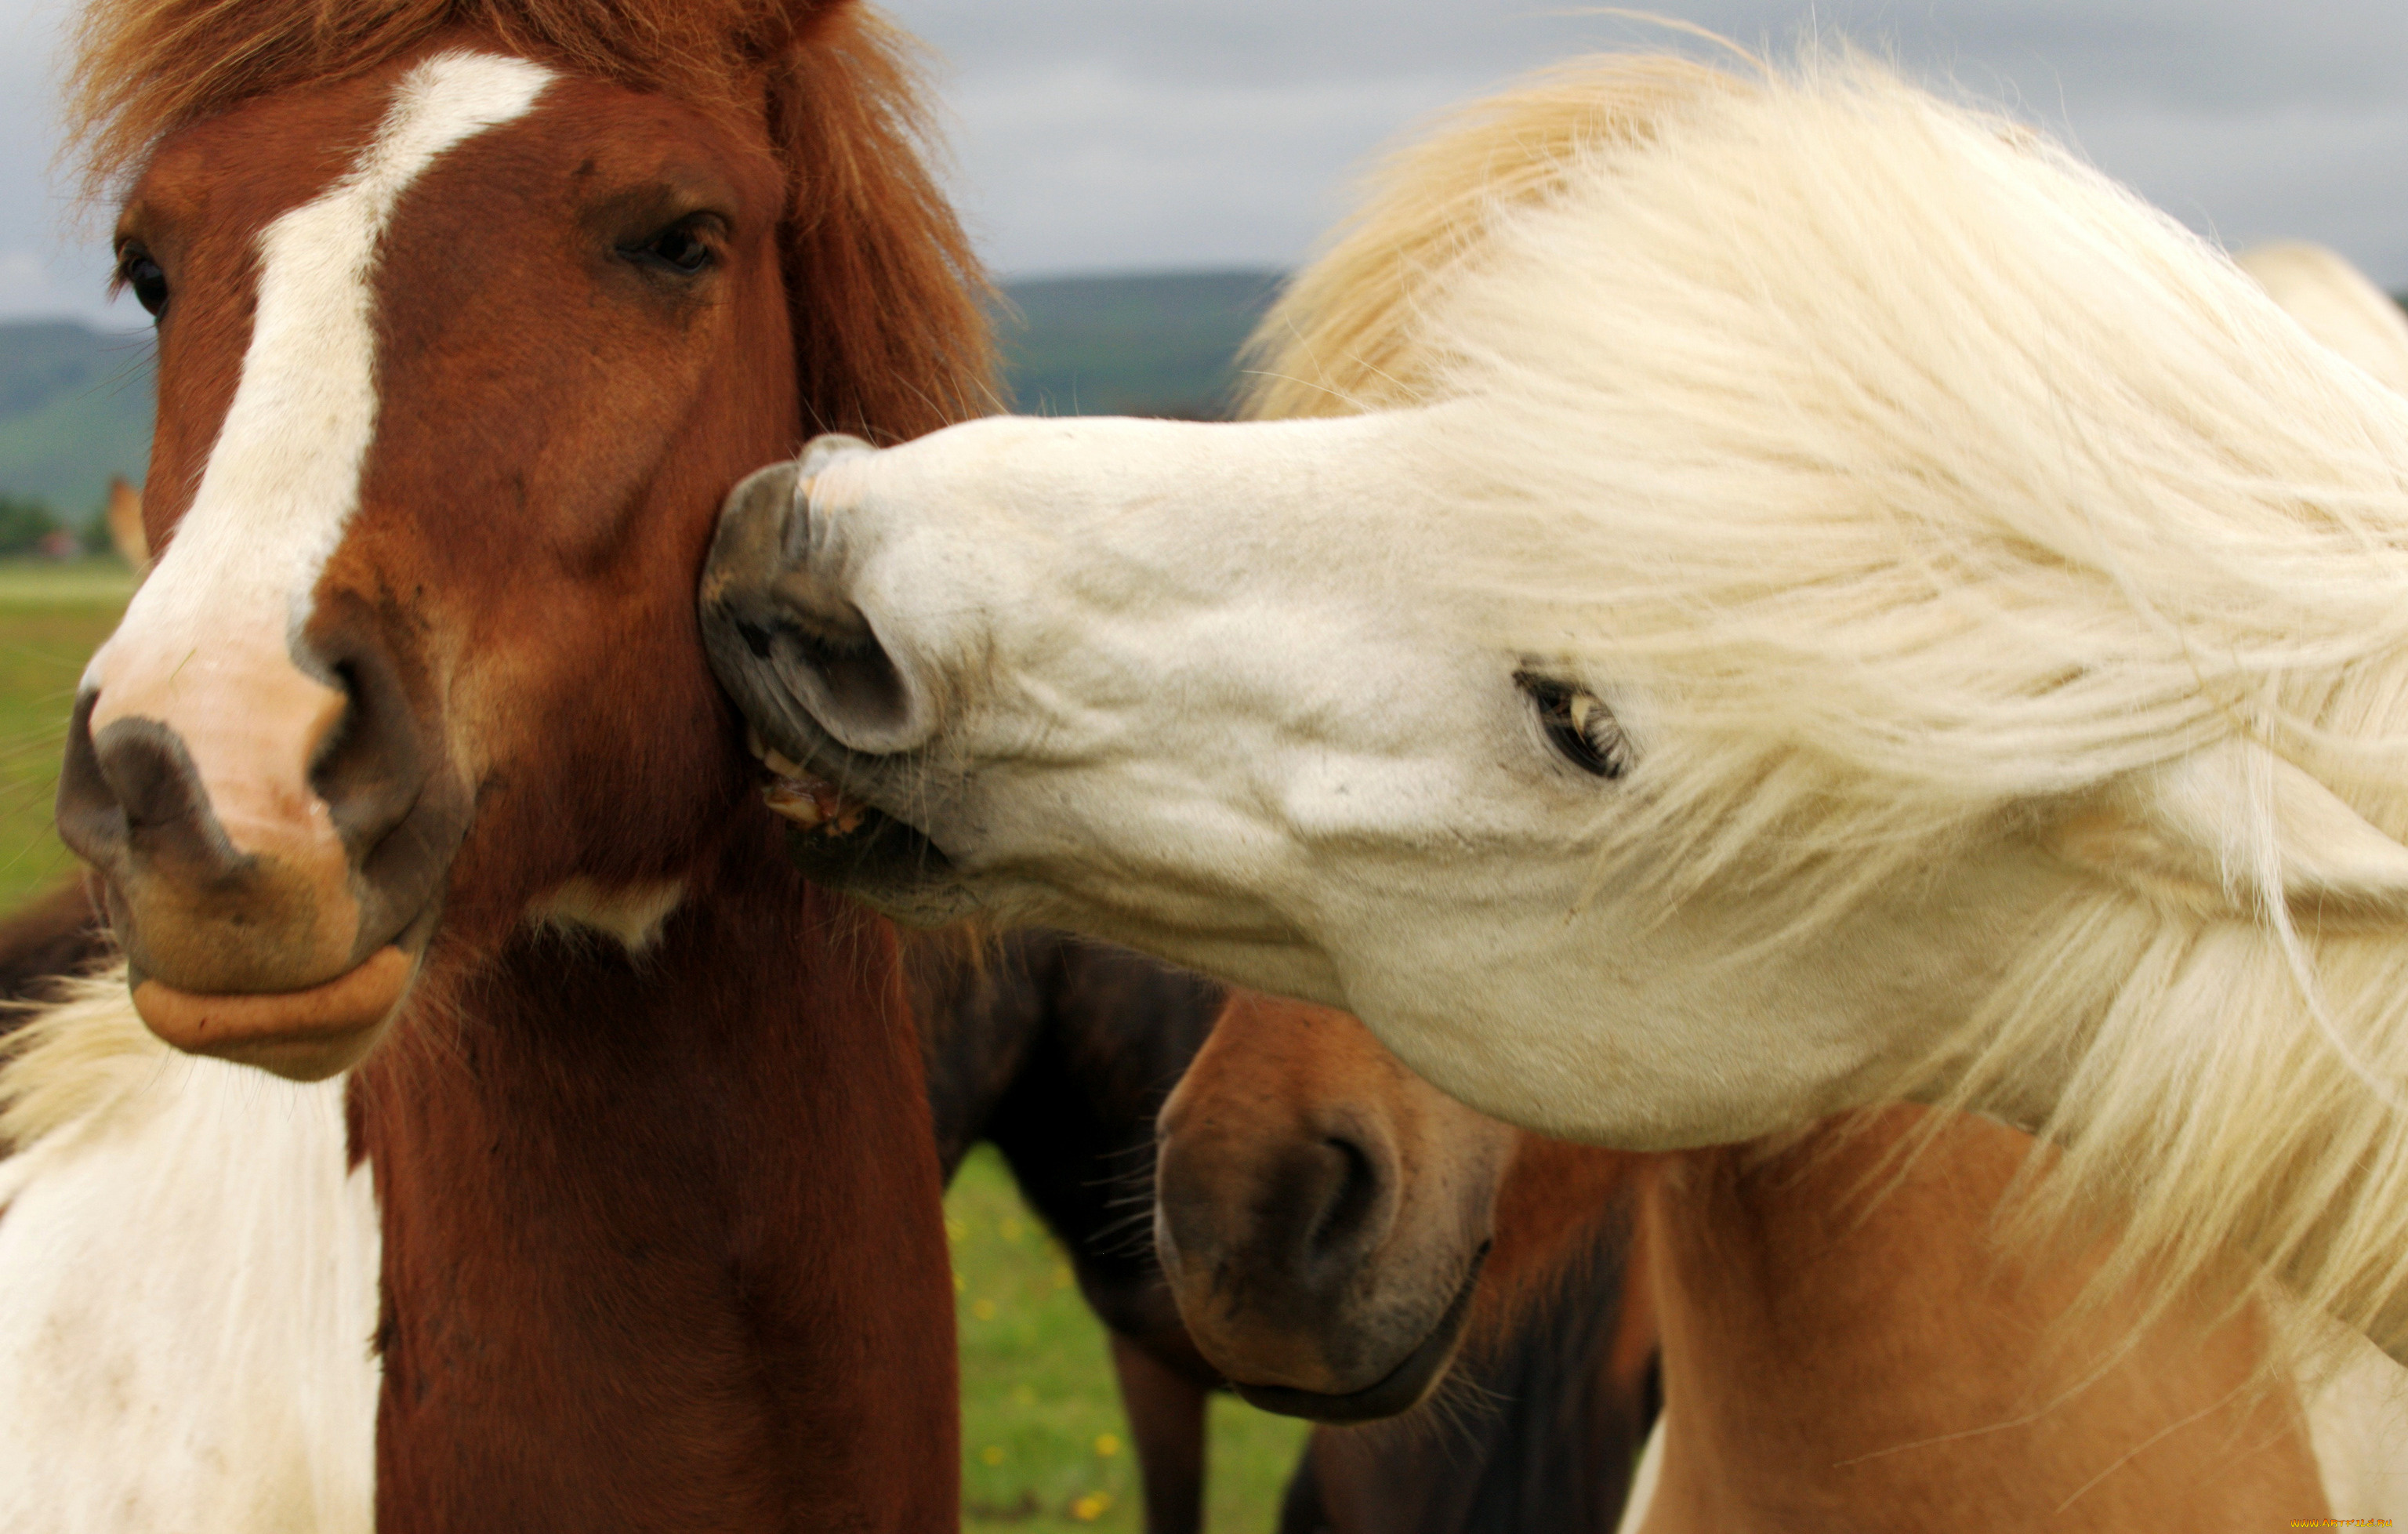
<point>1277,1082</point>
<point>895,344</point>
<point>1846,1352</point>
<point>53,937</point>
<point>661,1239</point>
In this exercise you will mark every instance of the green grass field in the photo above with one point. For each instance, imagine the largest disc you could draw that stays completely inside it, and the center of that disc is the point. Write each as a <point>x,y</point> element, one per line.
<point>51,619</point>
<point>1044,1443</point>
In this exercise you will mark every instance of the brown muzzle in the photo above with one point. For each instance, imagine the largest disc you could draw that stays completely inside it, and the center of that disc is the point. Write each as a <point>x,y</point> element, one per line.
<point>273,834</point>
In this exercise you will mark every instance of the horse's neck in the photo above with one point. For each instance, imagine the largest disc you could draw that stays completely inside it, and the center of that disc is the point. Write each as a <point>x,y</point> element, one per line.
<point>979,1006</point>
<point>662,1246</point>
<point>1863,1350</point>
<point>1073,1046</point>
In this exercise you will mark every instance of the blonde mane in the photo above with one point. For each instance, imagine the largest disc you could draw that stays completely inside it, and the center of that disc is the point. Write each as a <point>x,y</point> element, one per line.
<point>1342,335</point>
<point>77,1060</point>
<point>1942,491</point>
<point>2337,305</point>
<point>192,1235</point>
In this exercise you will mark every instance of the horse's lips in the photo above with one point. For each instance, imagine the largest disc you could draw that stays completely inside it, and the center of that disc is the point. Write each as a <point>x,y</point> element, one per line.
<point>306,1034</point>
<point>1402,1388</point>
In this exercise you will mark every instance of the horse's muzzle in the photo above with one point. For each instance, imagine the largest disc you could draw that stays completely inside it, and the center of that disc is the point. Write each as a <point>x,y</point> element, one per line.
<point>274,841</point>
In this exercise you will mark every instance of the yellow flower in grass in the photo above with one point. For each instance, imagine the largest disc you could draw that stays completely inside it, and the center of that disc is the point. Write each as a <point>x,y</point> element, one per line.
<point>992,1453</point>
<point>983,1309</point>
<point>1091,1507</point>
<point>1107,1445</point>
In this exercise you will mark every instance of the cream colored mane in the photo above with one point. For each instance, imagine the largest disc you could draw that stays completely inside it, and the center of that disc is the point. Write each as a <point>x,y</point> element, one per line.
<point>188,1286</point>
<point>1961,491</point>
<point>2337,304</point>
<point>79,1061</point>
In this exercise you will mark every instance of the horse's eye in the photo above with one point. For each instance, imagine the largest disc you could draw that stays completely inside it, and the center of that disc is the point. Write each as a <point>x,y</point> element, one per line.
<point>679,248</point>
<point>1579,726</point>
<point>136,270</point>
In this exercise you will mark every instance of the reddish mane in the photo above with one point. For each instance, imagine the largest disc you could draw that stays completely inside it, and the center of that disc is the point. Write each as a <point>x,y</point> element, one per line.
<point>893,343</point>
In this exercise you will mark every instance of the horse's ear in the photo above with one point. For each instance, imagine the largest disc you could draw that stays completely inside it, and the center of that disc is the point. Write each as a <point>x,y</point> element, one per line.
<point>2210,828</point>
<point>125,528</point>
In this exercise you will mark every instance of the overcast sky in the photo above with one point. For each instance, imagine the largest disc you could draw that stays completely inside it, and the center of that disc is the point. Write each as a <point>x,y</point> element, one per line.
<point>1119,134</point>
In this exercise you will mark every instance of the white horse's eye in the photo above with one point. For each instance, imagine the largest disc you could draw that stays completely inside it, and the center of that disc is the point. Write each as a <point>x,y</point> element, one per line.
<point>1579,726</point>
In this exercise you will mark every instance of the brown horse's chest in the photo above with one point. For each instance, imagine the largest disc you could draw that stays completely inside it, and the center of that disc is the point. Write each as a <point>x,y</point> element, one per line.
<point>1845,1346</point>
<point>643,1269</point>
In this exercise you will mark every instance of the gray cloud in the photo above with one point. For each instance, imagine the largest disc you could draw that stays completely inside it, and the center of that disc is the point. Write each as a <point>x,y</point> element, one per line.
<point>1090,133</point>
<point>1099,135</point>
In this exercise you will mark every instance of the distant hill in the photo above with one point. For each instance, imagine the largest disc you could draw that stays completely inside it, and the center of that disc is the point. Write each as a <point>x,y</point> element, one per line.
<point>75,408</point>
<point>74,403</point>
<point>1157,344</point>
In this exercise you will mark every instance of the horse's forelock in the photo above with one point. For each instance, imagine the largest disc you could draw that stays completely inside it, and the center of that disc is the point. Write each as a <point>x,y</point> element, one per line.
<point>144,68</point>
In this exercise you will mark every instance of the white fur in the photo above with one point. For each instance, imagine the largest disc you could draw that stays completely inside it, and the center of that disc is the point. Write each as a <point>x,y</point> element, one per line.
<point>2337,305</point>
<point>2008,605</point>
<point>1645,1478</point>
<point>2357,1425</point>
<point>187,1291</point>
<point>631,916</point>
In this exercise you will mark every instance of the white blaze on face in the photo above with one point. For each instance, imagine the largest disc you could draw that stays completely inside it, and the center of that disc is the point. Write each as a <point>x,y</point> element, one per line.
<point>207,645</point>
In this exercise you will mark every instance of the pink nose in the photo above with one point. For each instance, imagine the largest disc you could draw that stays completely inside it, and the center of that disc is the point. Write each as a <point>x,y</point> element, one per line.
<point>246,808</point>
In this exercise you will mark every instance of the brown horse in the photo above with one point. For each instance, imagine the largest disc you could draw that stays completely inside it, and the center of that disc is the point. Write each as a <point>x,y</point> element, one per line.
<point>1842,1345</point>
<point>405,764</point>
<point>1061,1053</point>
<point>1336,1233</point>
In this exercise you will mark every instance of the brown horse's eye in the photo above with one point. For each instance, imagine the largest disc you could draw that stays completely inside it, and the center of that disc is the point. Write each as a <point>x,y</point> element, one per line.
<point>138,271</point>
<point>679,248</point>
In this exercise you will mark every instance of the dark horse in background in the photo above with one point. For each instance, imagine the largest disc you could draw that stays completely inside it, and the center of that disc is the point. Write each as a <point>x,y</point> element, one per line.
<point>1062,1052</point>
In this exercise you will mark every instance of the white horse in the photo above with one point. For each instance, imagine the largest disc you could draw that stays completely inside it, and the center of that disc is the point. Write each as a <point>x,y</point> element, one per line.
<point>1868,607</point>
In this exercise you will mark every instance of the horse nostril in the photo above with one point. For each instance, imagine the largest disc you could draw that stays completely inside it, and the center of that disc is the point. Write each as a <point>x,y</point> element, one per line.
<point>860,696</point>
<point>787,638</point>
<point>92,820</point>
<point>370,768</point>
<point>1349,1222</point>
<point>133,792</point>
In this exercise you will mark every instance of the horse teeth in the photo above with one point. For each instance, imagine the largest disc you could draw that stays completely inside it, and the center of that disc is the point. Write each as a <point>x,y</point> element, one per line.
<point>796,802</point>
<point>813,803</point>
